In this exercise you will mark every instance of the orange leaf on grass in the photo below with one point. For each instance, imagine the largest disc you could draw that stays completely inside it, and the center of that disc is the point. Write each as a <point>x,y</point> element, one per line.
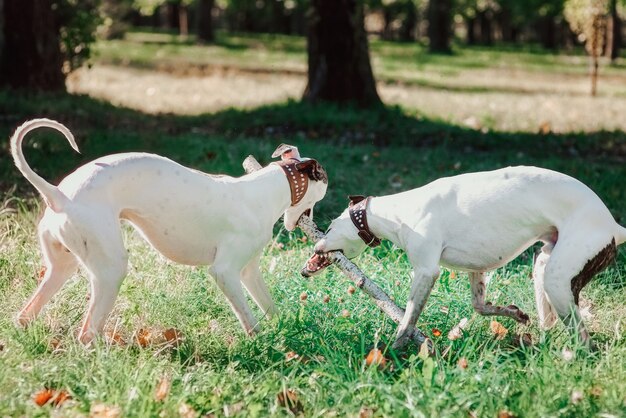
<point>143,337</point>
<point>173,336</point>
<point>462,363</point>
<point>436,332</point>
<point>163,388</point>
<point>43,396</point>
<point>288,398</point>
<point>376,357</point>
<point>498,330</point>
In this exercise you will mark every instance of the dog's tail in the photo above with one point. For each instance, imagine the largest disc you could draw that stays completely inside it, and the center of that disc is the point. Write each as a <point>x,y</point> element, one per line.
<point>53,197</point>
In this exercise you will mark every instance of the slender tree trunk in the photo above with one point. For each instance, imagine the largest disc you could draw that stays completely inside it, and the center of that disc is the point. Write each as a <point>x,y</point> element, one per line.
<point>547,32</point>
<point>31,57</point>
<point>440,25</point>
<point>407,30</point>
<point>206,30</point>
<point>470,24</point>
<point>486,33</point>
<point>183,20</point>
<point>173,16</point>
<point>338,54</point>
<point>614,32</point>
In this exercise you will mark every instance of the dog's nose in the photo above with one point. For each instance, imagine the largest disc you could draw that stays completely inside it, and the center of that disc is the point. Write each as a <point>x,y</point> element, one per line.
<point>305,272</point>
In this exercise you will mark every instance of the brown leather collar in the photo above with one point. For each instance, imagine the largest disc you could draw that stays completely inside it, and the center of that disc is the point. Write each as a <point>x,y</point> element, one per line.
<point>358,214</point>
<point>298,181</point>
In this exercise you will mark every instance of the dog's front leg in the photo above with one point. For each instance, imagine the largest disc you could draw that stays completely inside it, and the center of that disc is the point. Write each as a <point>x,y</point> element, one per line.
<point>228,279</point>
<point>477,283</point>
<point>252,279</point>
<point>422,284</point>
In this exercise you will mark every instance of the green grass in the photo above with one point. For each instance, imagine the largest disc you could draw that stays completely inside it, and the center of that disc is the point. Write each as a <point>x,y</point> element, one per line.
<point>216,367</point>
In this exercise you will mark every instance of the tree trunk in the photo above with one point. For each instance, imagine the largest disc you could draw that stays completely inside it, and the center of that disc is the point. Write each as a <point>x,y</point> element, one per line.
<point>407,29</point>
<point>206,30</point>
<point>614,32</point>
<point>173,16</point>
<point>183,20</point>
<point>486,33</point>
<point>547,32</point>
<point>31,57</point>
<point>440,25</point>
<point>338,55</point>
<point>470,24</point>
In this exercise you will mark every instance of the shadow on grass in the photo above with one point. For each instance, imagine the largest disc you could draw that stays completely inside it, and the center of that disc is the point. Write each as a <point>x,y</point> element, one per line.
<point>216,142</point>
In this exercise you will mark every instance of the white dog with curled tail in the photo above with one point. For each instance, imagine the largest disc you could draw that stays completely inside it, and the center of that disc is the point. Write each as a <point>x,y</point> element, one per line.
<point>188,216</point>
<point>478,222</point>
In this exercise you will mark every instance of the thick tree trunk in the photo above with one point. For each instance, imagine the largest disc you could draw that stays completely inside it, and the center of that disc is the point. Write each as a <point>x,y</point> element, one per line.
<point>31,56</point>
<point>440,25</point>
<point>206,31</point>
<point>339,64</point>
<point>173,16</point>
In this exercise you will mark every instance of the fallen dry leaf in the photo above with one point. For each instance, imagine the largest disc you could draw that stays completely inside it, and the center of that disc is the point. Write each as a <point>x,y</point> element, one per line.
<point>462,363</point>
<point>288,398</point>
<point>292,355</point>
<point>233,409</point>
<point>545,128</point>
<point>163,388</point>
<point>56,397</point>
<point>345,313</point>
<point>326,299</point>
<point>576,396</point>
<point>114,338</point>
<point>595,391</point>
<point>100,410</point>
<point>366,412</point>
<point>505,414</point>
<point>498,330</point>
<point>173,336</point>
<point>444,309</point>
<point>186,411</point>
<point>303,296</point>
<point>452,275</point>
<point>436,332</point>
<point>143,337</point>
<point>351,290</point>
<point>43,396</point>
<point>457,332</point>
<point>376,357</point>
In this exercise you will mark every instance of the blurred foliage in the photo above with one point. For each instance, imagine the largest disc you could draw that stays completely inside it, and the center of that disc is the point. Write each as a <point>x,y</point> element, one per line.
<point>78,20</point>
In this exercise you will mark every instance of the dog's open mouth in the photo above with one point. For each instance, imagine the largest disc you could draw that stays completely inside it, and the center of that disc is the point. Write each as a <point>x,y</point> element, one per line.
<point>315,264</point>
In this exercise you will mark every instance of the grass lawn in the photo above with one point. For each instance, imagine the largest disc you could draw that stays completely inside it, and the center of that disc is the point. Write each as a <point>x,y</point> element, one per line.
<point>314,352</point>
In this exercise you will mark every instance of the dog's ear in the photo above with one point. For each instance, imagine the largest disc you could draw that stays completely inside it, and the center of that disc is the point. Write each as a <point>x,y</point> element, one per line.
<point>354,199</point>
<point>313,169</point>
<point>283,148</point>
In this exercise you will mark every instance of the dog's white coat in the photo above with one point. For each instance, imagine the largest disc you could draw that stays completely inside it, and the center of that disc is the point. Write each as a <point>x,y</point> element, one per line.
<point>480,221</point>
<point>190,217</point>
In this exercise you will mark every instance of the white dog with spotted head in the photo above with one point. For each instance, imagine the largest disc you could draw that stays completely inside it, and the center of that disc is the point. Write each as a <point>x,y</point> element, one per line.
<point>188,216</point>
<point>480,221</point>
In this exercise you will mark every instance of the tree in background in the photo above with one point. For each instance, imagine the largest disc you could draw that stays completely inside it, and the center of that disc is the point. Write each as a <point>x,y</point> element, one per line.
<point>588,19</point>
<point>614,32</point>
<point>338,54</point>
<point>440,26</point>
<point>44,40</point>
<point>205,28</point>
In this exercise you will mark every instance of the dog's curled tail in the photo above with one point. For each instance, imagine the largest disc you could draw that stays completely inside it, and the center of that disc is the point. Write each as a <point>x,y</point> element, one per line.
<point>53,197</point>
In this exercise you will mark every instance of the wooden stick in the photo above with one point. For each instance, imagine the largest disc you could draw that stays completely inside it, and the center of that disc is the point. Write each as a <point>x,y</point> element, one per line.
<point>381,299</point>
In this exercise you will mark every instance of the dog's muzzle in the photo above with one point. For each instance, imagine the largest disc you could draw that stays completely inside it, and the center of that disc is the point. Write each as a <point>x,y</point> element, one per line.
<point>315,264</point>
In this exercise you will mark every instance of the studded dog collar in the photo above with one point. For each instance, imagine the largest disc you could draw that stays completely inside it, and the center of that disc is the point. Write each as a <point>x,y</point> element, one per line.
<point>357,210</point>
<point>298,181</point>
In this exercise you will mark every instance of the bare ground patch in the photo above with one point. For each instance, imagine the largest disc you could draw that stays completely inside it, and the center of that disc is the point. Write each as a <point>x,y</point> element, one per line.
<point>500,100</point>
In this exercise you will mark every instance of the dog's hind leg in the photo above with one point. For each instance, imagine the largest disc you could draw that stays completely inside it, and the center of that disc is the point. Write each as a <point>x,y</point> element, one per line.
<point>252,279</point>
<point>576,258</point>
<point>477,284</point>
<point>545,311</point>
<point>106,260</point>
<point>59,265</point>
